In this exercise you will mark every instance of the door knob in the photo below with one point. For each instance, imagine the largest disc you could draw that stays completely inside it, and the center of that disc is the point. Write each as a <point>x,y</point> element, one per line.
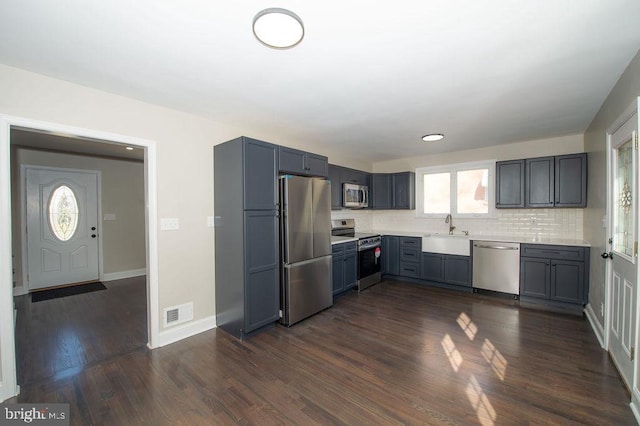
<point>606,255</point>
<point>93,235</point>
<point>93,228</point>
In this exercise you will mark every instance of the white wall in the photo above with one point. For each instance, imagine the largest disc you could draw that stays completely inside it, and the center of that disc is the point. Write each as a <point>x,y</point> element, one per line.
<point>532,223</point>
<point>123,240</point>
<point>184,168</point>
<point>625,92</point>
<point>536,148</point>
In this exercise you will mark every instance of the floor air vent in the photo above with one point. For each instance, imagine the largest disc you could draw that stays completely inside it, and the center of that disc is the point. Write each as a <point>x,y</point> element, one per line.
<point>174,315</point>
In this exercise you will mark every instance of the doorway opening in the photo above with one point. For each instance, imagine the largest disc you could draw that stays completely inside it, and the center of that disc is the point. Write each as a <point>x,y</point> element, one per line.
<point>61,143</point>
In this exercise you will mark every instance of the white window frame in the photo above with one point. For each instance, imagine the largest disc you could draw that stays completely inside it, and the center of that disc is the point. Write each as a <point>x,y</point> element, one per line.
<point>453,169</point>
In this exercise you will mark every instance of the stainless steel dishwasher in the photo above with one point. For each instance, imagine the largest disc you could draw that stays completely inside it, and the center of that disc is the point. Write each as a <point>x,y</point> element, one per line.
<point>496,266</point>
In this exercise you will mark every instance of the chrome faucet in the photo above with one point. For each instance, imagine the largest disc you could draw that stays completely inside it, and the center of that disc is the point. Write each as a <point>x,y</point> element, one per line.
<point>449,220</point>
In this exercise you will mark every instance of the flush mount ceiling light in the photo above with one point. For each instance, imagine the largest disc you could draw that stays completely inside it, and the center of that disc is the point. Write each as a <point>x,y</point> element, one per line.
<point>278,28</point>
<point>129,148</point>
<point>433,137</point>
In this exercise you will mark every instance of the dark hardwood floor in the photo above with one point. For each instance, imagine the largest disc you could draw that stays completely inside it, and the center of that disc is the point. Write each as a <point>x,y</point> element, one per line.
<point>394,354</point>
<point>62,336</point>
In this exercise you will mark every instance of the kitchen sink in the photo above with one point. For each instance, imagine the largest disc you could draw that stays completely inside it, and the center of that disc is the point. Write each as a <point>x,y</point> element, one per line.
<point>447,244</point>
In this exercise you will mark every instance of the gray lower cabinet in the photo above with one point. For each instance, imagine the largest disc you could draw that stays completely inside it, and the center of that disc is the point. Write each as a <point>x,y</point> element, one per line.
<point>446,268</point>
<point>262,269</point>
<point>390,255</point>
<point>400,256</point>
<point>246,236</point>
<point>303,163</point>
<point>557,274</point>
<point>344,266</point>
<point>410,249</point>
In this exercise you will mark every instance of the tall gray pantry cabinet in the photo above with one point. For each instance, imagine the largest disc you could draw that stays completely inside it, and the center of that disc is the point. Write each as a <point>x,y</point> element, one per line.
<point>247,259</point>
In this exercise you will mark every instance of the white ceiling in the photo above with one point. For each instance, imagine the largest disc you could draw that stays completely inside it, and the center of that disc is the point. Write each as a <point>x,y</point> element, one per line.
<point>370,77</point>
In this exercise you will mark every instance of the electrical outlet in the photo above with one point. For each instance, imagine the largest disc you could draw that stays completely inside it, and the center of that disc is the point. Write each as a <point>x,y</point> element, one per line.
<point>169,224</point>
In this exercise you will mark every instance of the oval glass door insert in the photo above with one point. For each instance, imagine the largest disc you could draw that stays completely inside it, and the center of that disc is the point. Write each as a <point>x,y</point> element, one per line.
<point>63,213</point>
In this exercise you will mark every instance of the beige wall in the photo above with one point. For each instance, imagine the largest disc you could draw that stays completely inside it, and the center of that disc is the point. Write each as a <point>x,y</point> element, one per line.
<point>527,223</point>
<point>123,240</point>
<point>624,93</point>
<point>535,148</point>
<point>184,168</point>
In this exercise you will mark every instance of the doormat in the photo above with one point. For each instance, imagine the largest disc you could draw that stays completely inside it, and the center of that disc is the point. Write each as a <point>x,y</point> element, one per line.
<point>54,293</point>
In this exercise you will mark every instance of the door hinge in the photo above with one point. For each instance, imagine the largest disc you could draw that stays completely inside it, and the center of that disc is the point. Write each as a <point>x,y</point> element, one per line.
<point>635,248</point>
<point>632,355</point>
<point>636,139</point>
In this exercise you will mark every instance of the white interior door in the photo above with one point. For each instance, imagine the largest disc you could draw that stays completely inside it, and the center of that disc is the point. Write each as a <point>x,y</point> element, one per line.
<point>623,207</point>
<point>62,222</point>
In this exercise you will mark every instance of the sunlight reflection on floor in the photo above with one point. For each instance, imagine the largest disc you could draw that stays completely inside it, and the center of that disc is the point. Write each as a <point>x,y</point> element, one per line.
<point>452,352</point>
<point>493,356</point>
<point>469,328</point>
<point>480,402</point>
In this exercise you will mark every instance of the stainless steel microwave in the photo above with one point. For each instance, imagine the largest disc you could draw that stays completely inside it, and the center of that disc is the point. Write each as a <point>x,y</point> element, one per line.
<point>355,196</point>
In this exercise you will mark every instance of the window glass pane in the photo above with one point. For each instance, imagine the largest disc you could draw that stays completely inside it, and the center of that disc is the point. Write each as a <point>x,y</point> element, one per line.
<point>63,213</point>
<point>472,191</point>
<point>623,207</point>
<point>437,191</point>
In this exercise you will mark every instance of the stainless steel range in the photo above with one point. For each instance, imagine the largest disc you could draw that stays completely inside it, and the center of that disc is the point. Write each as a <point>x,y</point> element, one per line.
<point>369,251</point>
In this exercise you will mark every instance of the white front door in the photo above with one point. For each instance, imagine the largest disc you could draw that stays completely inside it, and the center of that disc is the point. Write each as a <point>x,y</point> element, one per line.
<point>623,237</point>
<point>62,227</point>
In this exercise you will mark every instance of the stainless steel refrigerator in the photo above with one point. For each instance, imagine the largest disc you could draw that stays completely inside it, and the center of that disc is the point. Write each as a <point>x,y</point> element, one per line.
<point>305,242</point>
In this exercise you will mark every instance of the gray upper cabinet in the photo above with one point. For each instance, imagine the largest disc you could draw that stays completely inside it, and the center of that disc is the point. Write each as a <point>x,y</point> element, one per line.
<point>247,255</point>
<point>260,169</point>
<point>357,177</point>
<point>571,180</point>
<point>302,163</point>
<point>510,184</point>
<point>335,176</point>
<point>404,193</point>
<point>544,182</point>
<point>539,182</point>
<point>380,191</point>
<point>339,175</point>
<point>393,191</point>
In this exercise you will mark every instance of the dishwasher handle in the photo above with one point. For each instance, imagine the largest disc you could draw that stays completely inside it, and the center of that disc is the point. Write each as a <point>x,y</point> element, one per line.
<point>496,247</point>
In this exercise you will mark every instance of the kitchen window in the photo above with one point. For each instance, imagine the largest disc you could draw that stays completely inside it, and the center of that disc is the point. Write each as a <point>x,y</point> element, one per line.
<point>464,190</point>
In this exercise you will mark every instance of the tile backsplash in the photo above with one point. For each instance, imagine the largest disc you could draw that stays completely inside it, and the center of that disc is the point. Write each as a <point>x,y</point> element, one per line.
<point>538,223</point>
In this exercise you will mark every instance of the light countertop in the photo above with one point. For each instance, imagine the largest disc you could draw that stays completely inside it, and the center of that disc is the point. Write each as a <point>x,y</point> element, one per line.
<point>502,238</point>
<point>340,240</point>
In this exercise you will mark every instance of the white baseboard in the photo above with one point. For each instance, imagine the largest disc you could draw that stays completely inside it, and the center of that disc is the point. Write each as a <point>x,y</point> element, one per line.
<point>183,331</point>
<point>124,274</point>
<point>6,392</point>
<point>20,290</point>
<point>598,330</point>
<point>635,405</point>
